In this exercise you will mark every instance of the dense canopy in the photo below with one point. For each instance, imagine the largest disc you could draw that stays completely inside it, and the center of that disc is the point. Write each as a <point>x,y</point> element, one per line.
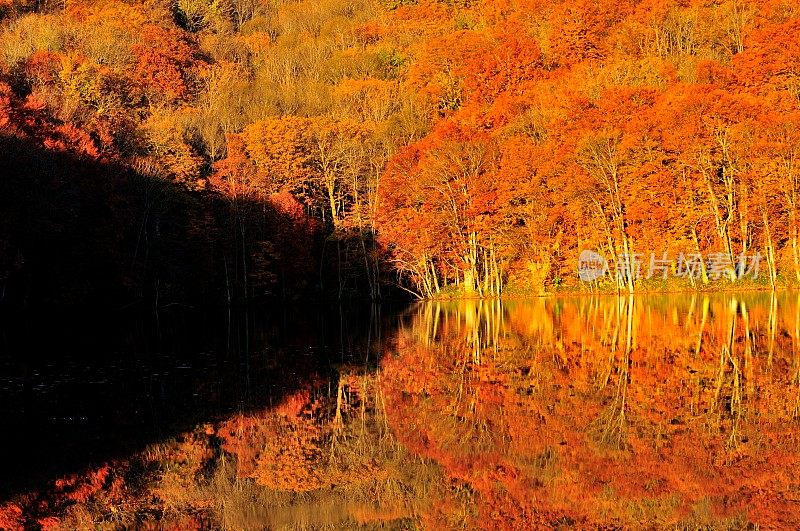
<point>469,146</point>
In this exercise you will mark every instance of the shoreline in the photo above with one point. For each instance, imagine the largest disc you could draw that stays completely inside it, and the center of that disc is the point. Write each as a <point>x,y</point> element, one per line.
<point>617,293</point>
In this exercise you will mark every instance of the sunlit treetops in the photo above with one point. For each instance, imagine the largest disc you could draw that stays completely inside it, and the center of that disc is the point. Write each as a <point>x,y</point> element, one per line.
<point>514,133</point>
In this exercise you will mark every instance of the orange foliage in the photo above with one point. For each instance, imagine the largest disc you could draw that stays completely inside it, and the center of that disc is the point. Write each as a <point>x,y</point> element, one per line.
<point>669,90</point>
<point>11,517</point>
<point>359,128</point>
<point>164,60</point>
<point>603,412</point>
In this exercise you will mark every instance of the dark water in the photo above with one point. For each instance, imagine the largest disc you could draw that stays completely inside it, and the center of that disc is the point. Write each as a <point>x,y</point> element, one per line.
<point>78,390</point>
<point>659,412</point>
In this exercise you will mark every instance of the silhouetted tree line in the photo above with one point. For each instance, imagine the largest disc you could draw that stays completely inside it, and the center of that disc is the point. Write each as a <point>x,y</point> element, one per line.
<point>80,231</point>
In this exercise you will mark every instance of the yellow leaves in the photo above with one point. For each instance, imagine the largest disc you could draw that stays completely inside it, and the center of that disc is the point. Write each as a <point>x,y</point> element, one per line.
<point>326,130</point>
<point>107,13</point>
<point>81,78</point>
<point>369,99</point>
<point>89,88</point>
<point>193,14</point>
<point>290,148</point>
<point>258,44</point>
<point>31,33</point>
<point>278,146</point>
<point>169,146</point>
<point>349,88</point>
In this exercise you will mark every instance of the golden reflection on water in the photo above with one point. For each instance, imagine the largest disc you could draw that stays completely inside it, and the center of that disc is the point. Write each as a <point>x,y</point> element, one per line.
<point>663,412</point>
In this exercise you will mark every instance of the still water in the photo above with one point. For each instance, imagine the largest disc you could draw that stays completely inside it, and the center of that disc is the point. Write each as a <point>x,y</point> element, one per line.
<point>669,411</point>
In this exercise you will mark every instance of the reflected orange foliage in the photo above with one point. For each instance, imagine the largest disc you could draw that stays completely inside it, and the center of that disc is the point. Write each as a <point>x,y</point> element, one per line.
<point>605,412</point>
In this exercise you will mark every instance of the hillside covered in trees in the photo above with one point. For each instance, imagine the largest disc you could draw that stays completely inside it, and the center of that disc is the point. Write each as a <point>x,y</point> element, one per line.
<point>236,149</point>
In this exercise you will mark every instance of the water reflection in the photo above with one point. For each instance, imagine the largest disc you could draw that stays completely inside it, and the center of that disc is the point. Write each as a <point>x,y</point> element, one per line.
<point>609,412</point>
<point>78,390</point>
<point>662,410</point>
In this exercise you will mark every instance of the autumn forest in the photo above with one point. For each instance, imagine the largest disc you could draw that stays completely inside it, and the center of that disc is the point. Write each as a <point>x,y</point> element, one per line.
<point>241,148</point>
<point>406,264</point>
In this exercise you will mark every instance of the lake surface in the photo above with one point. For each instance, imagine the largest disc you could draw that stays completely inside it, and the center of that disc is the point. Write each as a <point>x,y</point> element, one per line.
<point>668,411</point>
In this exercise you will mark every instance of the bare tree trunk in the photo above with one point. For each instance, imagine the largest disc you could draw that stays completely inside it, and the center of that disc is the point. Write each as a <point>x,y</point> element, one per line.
<point>795,247</point>
<point>770,251</point>
<point>703,272</point>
